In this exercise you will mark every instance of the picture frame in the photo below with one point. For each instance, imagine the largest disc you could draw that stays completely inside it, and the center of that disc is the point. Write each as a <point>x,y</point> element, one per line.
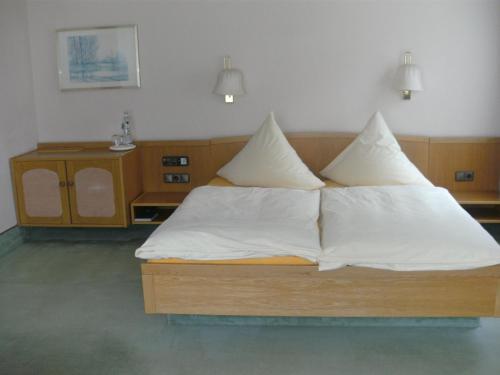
<point>98,57</point>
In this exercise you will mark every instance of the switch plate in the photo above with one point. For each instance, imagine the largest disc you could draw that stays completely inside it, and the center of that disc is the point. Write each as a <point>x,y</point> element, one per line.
<point>176,178</point>
<point>175,161</point>
<point>464,176</point>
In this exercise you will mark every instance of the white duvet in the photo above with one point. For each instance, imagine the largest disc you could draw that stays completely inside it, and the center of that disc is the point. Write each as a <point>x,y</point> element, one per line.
<point>403,228</point>
<point>235,222</point>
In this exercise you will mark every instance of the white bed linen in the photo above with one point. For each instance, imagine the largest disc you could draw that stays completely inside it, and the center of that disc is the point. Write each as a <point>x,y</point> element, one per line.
<point>403,228</point>
<point>238,222</point>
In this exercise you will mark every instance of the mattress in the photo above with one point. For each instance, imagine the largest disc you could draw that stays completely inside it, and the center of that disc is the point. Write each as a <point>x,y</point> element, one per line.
<point>265,261</point>
<point>274,261</point>
<point>221,224</point>
<point>401,228</point>
<point>219,181</point>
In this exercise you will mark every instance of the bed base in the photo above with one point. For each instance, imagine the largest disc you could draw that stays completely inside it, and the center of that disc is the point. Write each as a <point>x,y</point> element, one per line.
<point>260,290</point>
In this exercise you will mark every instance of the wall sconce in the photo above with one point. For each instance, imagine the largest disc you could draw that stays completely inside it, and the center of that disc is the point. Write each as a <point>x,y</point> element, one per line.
<point>229,82</point>
<point>408,77</point>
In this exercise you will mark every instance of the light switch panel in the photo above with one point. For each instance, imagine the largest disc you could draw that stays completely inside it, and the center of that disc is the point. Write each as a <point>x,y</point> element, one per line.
<point>175,161</point>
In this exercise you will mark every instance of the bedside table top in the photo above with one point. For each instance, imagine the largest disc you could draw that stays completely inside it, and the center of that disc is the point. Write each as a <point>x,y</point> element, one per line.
<point>477,197</point>
<point>160,199</point>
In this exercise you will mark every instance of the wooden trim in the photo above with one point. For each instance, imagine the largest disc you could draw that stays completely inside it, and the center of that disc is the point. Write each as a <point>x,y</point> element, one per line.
<point>261,290</point>
<point>80,154</point>
<point>73,145</point>
<point>465,140</point>
<point>161,199</point>
<point>477,197</point>
<point>295,135</point>
<point>353,273</point>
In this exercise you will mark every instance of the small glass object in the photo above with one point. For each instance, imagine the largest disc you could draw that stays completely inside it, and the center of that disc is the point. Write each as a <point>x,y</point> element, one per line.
<point>117,140</point>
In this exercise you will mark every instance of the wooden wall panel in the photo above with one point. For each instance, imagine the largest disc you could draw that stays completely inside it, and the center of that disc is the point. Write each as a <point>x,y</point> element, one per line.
<point>417,150</point>
<point>223,150</point>
<point>153,170</point>
<point>481,155</point>
<point>437,158</point>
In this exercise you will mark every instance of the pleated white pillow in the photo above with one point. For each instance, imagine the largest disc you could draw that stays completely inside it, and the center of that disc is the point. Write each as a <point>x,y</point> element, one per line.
<point>268,160</point>
<point>374,158</point>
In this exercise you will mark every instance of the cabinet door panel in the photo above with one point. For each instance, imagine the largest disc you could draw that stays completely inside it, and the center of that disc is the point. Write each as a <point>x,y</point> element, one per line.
<point>41,192</point>
<point>95,192</point>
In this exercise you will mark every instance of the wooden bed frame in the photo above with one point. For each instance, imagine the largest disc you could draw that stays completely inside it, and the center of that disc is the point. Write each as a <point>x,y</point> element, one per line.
<point>260,290</point>
<point>265,290</point>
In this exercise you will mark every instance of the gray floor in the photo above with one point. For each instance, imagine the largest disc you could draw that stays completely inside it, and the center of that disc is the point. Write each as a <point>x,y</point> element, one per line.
<point>76,308</point>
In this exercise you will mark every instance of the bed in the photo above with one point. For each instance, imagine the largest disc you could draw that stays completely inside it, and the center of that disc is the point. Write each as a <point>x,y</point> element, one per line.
<point>293,286</point>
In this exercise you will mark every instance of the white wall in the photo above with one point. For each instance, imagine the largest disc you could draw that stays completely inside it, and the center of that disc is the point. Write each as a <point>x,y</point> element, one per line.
<point>321,65</point>
<point>17,111</point>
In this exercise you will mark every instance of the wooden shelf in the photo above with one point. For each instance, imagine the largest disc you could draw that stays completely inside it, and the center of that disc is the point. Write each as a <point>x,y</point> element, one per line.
<point>165,203</point>
<point>160,199</point>
<point>477,197</point>
<point>484,206</point>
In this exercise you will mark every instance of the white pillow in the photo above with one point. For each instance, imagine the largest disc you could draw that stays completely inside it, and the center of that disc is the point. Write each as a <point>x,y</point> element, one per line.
<point>268,160</point>
<point>374,158</point>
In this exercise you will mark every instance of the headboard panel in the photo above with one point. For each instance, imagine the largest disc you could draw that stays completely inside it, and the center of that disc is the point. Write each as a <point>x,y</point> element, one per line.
<point>480,155</point>
<point>318,149</point>
<point>437,158</point>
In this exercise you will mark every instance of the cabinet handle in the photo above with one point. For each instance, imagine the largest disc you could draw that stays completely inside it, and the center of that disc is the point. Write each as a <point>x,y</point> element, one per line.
<point>71,183</point>
<point>62,184</point>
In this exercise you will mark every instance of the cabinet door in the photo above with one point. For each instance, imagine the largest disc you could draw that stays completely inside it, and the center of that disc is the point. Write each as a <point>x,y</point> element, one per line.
<point>42,195</point>
<point>96,192</point>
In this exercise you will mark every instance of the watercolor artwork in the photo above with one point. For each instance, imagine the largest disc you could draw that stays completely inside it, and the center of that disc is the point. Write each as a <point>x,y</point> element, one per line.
<point>104,57</point>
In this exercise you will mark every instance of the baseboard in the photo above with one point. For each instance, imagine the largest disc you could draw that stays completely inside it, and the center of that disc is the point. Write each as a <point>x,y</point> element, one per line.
<point>174,319</point>
<point>134,232</point>
<point>10,239</point>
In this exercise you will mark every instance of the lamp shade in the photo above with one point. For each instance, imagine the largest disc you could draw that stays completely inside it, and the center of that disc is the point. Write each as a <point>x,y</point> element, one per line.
<point>230,82</point>
<point>409,77</point>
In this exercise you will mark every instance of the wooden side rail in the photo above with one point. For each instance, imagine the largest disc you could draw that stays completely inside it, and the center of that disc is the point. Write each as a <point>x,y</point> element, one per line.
<point>304,291</point>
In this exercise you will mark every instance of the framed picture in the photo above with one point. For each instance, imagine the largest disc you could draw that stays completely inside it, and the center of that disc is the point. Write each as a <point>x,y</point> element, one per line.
<point>101,57</point>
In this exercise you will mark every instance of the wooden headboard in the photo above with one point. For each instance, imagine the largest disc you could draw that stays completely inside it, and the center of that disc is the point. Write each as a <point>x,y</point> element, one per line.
<point>208,156</point>
<point>317,150</point>
<point>437,158</point>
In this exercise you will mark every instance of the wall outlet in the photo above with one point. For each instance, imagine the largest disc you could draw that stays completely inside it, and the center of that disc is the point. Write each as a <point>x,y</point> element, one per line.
<point>462,176</point>
<point>176,178</point>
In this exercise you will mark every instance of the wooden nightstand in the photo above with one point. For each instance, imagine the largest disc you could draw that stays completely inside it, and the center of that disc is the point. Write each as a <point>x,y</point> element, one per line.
<point>483,206</point>
<point>162,203</point>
